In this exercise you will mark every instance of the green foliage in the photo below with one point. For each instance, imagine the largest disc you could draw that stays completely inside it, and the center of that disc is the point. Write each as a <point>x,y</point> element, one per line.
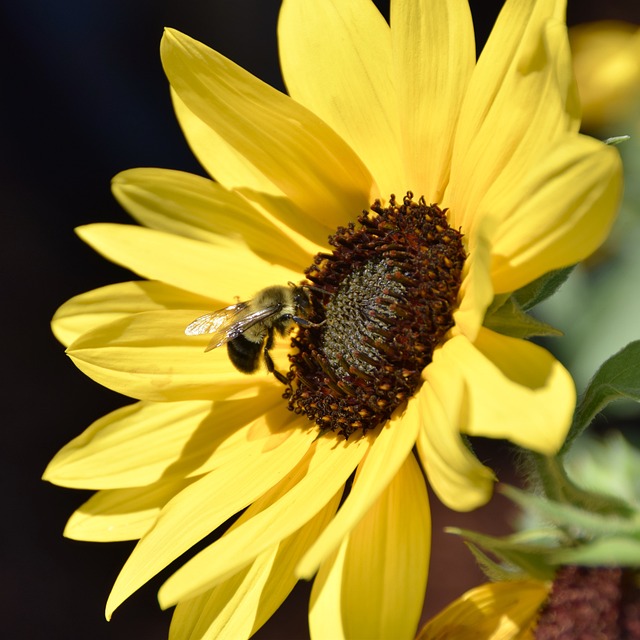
<point>569,517</point>
<point>559,487</point>
<point>612,551</point>
<point>609,465</point>
<point>539,290</point>
<point>522,558</point>
<point>508,317</point>
<point>618,377</point>
<point>571,535</point>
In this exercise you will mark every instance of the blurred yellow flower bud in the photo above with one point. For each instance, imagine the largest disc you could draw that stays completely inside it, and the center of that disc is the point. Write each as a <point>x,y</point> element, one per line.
<point>607,66</point>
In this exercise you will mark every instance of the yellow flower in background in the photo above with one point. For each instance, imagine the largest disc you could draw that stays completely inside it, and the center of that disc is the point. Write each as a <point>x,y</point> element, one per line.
<point>500,189</point>
<point>606,57</point>
<point>579,602</point>
<point>492,611</point>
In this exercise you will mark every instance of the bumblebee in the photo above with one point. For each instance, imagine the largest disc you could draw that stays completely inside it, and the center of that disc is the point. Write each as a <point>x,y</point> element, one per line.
<point>248,328</point>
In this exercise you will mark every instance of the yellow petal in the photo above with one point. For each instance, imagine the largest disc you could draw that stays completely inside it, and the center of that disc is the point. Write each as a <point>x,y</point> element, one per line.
<point>229,167</point>
<point>227,611</point>
<point>194,207</point>
<point>148,357</point>
<point>291,146</point>
<point>290,551</point>
<point>305,232</point>
<point>129,447</point>
<point>560,215</point>
<point>239,606</point>
<point>455,474</point>
<point>223,271</point>
<point>517,390</point>
<point>336,61</point>
<point>493,611</point>
<point>325,619</point>
<point>547,126</point>
<point>434,55</point>
<point>379,576</point>
<point>476,289</point>
<point>387,454</point>
<point>121,514</point>
<point>88,311</point>
<point>288,506</point>
<point>144,443</point>
<point>210,501</point>
<point>520,98</point>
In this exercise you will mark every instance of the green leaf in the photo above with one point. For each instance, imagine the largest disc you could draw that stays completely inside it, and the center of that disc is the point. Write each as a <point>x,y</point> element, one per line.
<point>509,319</point>
<point>545,286</point>
<point>618,377</point>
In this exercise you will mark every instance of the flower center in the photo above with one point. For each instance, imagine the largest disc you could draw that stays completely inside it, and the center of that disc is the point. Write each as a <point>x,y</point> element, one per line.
<point>383,300</point>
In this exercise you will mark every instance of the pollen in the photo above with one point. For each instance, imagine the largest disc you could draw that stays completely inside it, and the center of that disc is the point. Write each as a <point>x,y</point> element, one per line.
<point>383,300</point>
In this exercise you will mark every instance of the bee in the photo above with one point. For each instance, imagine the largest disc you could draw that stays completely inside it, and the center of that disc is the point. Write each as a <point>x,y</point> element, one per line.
<point>248,328</point>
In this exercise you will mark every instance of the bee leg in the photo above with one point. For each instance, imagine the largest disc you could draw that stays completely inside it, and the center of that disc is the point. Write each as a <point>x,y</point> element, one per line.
<point>303,322</point>
<point>271,367</point>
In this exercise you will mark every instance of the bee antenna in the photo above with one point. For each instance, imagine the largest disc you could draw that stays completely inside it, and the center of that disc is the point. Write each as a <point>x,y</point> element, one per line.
<point>312,287</point>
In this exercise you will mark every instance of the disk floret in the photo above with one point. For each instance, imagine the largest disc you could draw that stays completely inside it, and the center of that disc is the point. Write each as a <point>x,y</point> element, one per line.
<point>383,300</point>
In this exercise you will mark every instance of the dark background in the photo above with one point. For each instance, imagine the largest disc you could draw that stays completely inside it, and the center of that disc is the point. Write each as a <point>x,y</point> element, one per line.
<point>84,97</point>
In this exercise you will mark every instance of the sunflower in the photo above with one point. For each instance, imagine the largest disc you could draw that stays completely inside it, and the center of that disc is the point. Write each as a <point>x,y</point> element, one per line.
<point>441,185</point>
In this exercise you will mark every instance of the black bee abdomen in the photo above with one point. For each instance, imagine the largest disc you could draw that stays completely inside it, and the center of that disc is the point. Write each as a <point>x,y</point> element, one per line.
<point>244,354</point>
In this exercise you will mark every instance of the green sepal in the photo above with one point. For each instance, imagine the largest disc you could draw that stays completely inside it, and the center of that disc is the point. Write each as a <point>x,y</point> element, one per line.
<point>505,316</point>
<point>493,570</point>
<point>602,552</point>
<point>573,537</point>
<point>618,377</point>
<point>542,288</point>
<point>571,518</point>
<point>529,557</point>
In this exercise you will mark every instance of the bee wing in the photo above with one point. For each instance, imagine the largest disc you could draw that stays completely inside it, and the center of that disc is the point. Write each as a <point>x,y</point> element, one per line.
<point>228,323</point>
<point>217,322</point>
